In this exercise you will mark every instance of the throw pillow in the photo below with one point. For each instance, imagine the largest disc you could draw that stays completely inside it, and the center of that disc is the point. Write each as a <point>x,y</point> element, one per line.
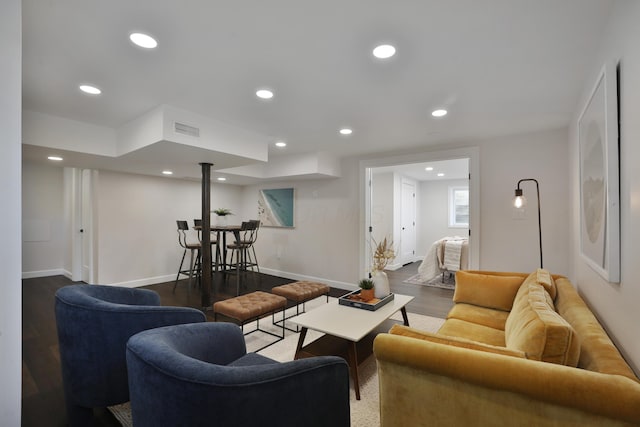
<point>534,327</point>
<point>487,289</point>
<point>544,278</point>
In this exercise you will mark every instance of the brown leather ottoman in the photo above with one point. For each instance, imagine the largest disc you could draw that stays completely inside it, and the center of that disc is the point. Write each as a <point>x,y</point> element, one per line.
<point>249,307</point>
<point>299,293</point>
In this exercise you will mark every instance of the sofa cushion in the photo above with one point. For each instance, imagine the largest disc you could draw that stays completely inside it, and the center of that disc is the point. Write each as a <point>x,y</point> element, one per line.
<point>544,278</point>
<point>490,317</point>
<point>454,341</point>
<point>472,331</point>
<point>487,290</point>
<point>534,327</point>
<point>597,351</point>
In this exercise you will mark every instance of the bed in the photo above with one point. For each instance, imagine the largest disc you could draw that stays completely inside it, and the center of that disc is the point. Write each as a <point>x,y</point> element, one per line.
<point>448,254</point>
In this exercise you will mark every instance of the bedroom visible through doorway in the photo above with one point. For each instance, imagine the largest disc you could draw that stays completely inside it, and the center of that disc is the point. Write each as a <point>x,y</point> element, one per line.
<point>417,203</point>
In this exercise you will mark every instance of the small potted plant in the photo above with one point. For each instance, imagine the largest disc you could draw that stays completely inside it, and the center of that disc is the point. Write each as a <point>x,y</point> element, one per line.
<point>222,212</point>
<point>366,289</point>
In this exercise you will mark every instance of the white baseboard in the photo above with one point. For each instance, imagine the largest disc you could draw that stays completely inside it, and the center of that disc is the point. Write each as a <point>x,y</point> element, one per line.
<point>301,277</point>
<point>44,273</point>
<point>168,278</point>
<point>397,265</point>
<point>143,282</point>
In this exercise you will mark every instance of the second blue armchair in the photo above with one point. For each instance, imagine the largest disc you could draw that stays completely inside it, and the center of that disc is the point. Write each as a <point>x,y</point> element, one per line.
<point>200,374</point>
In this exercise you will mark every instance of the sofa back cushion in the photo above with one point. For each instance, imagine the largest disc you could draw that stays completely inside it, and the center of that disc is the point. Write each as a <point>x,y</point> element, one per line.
<point>487,289</point>
<point>534,327</point>
<point>597,352</point>
<point>544,278</point>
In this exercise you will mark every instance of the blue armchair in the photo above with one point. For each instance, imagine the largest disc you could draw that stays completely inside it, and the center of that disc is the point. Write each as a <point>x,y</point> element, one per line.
<point>94,323</point>
<point>201,374</point>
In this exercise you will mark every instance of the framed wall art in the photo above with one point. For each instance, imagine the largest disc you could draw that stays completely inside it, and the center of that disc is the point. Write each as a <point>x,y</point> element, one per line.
<point>275,207</point>
<point>599,177</point>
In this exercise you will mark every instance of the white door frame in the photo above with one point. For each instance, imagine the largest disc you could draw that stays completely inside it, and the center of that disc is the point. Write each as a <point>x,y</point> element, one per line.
<point>73,196</point>
<point>402,258</point>
<point>81,233</point>
<point>472,153</point>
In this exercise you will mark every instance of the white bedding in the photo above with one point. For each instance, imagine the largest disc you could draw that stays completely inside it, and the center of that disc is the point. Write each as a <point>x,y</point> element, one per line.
<point>452,255</point>
<point>446,254</point>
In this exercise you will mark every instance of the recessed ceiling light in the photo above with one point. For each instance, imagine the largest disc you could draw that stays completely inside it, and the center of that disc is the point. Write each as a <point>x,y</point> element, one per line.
<point>222,178</point>
<point>281,144</point>
<point>143,40</point>
<point>384,51</point>
<point>346,131</point>
<point>440,174</point>
<point>264,93</point>
<point>428,168</point>
<point>439,113</point>
<point>167,172</point>
<point>91,90</point>
<point>55,158</point>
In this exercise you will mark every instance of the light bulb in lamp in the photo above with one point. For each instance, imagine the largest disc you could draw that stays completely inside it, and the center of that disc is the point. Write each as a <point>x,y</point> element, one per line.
<point>520,201</point>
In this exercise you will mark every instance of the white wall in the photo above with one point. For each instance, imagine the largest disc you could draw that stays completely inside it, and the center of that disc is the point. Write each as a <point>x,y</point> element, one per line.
<point>324,243</point>
<point>136,218</point>
<point>52,131</point>
<point>382,203</point>
<point>43,242</point>
<point>433,213</point>
<point>509,244</point>
<point>10,212</point>
<point>616,305</point>
<point>137,215</point>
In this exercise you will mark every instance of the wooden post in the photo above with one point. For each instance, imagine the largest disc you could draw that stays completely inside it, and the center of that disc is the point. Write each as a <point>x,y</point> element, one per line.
<point>206,236</point>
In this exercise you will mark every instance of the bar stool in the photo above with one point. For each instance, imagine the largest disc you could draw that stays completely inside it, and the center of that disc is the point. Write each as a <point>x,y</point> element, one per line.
<point>239,250</point>
<point>218,257</point>
<point>194,248</point>
<point>253,236</point>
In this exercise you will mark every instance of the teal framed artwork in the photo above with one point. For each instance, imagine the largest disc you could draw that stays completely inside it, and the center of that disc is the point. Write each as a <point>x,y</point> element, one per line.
<point>275,207</point>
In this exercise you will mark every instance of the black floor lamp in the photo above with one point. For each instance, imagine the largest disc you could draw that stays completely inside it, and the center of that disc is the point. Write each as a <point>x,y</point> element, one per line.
<point>519,202</point>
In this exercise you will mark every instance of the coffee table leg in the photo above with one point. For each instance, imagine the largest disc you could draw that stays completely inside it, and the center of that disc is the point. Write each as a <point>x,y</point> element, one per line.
<point>353,364</point>
<point>404,316</point>
<point>303,334</point>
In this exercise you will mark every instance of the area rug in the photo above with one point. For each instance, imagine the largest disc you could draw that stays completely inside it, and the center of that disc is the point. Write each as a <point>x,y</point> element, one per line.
<point>449,281</point>
<point>364,412</point>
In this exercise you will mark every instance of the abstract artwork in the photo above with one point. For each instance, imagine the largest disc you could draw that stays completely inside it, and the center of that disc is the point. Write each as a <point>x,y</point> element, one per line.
<point>275,207</point>
<point>599,180</point>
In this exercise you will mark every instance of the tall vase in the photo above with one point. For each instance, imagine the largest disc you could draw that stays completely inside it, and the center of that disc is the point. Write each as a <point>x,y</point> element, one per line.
<point>381,284</point>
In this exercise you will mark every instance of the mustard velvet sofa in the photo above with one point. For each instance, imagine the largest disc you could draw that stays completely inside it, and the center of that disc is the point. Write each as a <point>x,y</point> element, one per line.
<point>516,349</point>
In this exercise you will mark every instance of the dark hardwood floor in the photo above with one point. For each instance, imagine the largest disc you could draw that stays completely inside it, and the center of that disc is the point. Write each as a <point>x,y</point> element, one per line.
<point>42,396</point>
<point>435,302</point>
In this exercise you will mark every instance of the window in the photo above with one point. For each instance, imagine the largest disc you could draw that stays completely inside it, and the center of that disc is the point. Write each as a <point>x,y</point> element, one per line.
<point>459,207</point>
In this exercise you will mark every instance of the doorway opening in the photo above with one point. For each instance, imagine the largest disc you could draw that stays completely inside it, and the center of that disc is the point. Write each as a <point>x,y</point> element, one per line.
<point>405,202</point>
<point>80,187</point>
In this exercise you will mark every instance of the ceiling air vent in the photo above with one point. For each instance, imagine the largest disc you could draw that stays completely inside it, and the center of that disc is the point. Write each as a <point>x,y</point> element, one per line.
<point>186,129</point>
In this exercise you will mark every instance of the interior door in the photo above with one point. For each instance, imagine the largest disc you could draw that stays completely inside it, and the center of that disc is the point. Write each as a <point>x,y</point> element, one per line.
<point>86,227</point>
<point>408,222</point>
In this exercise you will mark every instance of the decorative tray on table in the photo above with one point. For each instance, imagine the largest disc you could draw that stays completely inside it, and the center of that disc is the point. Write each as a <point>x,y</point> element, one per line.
<point>352,299</point>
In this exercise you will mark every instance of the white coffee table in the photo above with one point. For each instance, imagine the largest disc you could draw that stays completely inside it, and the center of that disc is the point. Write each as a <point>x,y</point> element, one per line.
<point>350,324</point>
